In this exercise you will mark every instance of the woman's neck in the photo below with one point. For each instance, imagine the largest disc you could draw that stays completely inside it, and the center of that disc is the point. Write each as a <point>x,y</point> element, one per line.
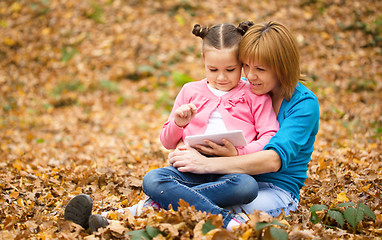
<point>277,99</point>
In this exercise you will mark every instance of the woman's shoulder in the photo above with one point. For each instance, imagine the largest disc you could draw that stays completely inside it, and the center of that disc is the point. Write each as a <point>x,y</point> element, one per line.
<point>303,94</point>
<point>302,91</point>
<point>303,98</point>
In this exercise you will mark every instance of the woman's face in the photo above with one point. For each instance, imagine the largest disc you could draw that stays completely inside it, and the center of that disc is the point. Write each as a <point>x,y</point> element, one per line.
<point>262,79</point>
<point>223,69</point>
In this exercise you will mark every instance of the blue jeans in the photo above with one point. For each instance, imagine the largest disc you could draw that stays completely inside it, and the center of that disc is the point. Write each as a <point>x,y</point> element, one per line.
<point>206,192</point>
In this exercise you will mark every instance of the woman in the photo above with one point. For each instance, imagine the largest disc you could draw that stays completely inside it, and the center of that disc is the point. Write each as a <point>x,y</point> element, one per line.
<point>271,64</point>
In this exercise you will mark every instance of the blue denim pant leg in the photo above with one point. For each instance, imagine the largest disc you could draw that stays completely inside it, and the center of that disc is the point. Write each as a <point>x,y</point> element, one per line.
<point>272,200</point>
<point>229,189</point>
<point>207,192</point>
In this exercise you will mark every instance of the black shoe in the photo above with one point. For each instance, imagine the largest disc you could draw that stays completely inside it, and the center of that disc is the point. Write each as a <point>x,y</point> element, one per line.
<point>79,210</point>
<point>97,221</point>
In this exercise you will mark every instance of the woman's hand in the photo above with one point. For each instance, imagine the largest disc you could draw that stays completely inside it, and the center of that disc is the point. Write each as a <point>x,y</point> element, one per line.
<point>213,149</point>
<point>187,159</point>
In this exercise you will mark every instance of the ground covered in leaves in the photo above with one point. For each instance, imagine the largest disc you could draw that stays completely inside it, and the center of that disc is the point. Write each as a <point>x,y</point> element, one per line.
<point>85,87</point>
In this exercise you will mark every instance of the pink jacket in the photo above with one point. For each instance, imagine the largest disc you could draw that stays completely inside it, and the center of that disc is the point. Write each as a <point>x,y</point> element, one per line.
<point>240,110</point>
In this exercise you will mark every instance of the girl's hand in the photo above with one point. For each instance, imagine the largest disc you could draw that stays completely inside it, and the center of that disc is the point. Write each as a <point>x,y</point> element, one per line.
<point>213,149</point>
<point>184,114</point>
<point>187,159</point>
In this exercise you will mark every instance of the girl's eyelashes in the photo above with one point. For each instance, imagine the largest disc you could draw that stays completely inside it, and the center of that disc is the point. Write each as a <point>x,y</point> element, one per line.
<point>228,70</point>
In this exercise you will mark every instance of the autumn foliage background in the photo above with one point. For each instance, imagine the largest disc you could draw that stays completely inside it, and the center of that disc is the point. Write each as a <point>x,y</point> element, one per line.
<point>85,87</point>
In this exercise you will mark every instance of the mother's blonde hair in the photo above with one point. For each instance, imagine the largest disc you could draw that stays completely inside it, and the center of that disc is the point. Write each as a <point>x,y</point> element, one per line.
<point>273,45</point>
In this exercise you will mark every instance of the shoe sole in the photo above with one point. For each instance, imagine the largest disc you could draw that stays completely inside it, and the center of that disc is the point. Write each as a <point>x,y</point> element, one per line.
<point>79,210</point>
<point>97,221</point>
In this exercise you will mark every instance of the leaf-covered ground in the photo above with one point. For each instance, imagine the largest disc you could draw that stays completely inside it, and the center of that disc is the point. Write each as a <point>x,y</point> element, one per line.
<point>85,87</point>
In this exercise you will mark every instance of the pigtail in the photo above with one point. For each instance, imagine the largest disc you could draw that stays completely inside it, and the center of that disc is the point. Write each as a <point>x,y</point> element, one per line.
<point>200,31</point>
<point>244,26</point>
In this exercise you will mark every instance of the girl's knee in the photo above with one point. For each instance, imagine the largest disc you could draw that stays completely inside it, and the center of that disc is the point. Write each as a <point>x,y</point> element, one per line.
<point>248,189</point>
<point>248,181</point>
<point>154,178</point>
<point>151,180</point>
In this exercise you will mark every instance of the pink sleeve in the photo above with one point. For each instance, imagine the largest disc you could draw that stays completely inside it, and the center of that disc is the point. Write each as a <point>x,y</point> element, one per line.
<point>171,133</point>
<point>266,124</point>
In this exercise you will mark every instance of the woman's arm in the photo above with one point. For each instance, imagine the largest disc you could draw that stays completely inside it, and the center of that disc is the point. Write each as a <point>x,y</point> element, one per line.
<point>187,159</point>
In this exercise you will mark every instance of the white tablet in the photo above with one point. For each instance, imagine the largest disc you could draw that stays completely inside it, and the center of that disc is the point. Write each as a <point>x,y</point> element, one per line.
<point>235,137</point>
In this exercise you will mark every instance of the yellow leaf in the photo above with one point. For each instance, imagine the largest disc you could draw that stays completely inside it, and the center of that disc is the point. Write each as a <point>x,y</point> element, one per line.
<point>341,197</point>
<point>15,7</point>
<point>356,160</point>
<point>325,35</point>
<point>3,23</point>
<point>45,31</point>
<point>20,202</point>
<point>17,164</point>
<point>308,15</point>
<point>247,234</point>
<point>14,194</point>
<point>365,188</point>
<point>8,41</point>
<point>77,191</point>
<point>112,215</point>
<point>44,176</point>
<point>285,222</point>
<point>68,15</point>
<point>372,146</point>
<point>180,19</point>
<point>152,168</point>
<point>125,202</point>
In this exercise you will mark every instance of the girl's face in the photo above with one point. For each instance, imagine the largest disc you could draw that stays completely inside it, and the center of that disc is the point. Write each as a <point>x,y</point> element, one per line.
<point>262,79</point>
<point>223,69</point>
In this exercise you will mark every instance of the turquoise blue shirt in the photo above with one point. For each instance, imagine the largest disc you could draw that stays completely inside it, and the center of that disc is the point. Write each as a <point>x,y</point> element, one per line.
<point>298,119</point>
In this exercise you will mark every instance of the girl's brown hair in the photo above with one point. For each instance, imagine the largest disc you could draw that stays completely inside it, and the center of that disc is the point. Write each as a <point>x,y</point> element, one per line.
<point>221,36</point>
<point>273,45</point>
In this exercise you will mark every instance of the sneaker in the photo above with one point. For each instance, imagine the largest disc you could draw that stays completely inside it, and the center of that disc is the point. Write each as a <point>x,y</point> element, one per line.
<point>237,220</point>
<point>244,216</point>
<point>148,202</point>
<point>79,210</point>
<point>137,209</point>
<point>97,221</point>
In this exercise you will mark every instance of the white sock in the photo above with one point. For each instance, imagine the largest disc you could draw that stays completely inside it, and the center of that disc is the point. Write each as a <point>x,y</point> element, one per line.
<point>133,209</point>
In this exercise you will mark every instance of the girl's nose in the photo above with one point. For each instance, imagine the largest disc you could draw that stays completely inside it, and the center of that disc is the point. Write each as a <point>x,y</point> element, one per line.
<point>221,76</point>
